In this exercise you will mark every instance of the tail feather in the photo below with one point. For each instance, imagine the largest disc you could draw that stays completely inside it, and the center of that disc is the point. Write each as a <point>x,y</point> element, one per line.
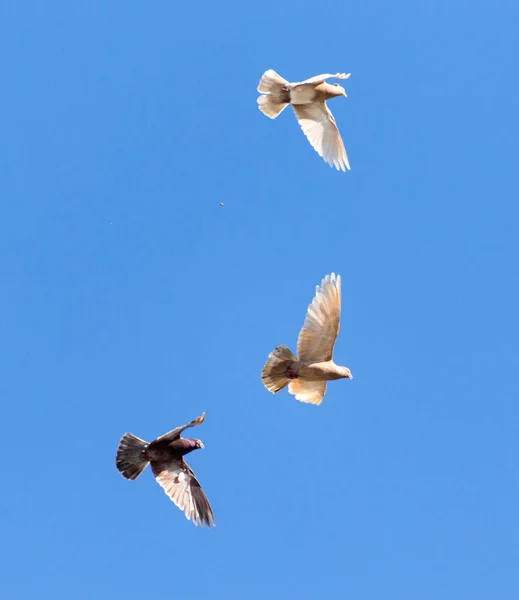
<point>271,107</point>
<point>131,459</point>
<point>274,372</point>
<point>269,80</point>
<point>276,98</point>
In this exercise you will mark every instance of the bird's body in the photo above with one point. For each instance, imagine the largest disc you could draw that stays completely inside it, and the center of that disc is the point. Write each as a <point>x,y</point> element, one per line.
<point>306,374</point>
<point>166,450</point>
<point>166,457</point>
<point>319,371</point>
<point>304,93</point>
<point>308,99</point>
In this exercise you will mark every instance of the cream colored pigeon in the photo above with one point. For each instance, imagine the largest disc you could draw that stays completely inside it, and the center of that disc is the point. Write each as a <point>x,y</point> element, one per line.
<point>308,99</point>
<point>306,375</point>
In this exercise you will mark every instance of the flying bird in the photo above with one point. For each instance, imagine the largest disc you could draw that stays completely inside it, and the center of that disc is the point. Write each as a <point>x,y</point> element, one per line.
<point>308,99</point>
<point>306,375</point>
<point>166,456</point>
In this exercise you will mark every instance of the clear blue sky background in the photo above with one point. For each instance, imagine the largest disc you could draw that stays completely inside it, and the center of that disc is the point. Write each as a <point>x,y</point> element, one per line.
<point>132,301</point>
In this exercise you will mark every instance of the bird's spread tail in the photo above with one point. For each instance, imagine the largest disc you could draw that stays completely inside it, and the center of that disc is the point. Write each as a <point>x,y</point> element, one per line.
<point>131,459</point>
<point>277,98</point>
<point>276,370</point>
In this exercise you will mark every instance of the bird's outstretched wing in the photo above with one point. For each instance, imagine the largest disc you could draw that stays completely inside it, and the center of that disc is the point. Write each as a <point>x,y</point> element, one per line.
<point>321,327</point>
<point>320,78</point>
<point>308,391</point>
<point>320,128</point>
<point>180,484</point>
<point>174,434</point>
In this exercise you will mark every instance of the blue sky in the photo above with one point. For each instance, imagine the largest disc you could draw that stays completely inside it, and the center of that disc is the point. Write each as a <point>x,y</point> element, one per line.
<point>133,302</point>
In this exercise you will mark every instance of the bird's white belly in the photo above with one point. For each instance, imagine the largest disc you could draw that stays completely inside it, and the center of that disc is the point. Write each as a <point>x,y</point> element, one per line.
<point>302,94</point>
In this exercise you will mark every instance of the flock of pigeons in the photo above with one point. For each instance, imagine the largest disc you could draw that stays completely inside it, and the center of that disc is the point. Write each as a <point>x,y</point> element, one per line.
<point>305,374</point>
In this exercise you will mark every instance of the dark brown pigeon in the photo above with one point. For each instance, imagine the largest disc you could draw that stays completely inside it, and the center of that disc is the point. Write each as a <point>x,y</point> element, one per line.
<point>166,456</point>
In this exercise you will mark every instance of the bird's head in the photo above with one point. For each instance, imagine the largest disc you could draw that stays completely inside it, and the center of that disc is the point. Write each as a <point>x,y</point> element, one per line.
<point>346,373</point>
<point>198,444</point>
<point>339,90</point>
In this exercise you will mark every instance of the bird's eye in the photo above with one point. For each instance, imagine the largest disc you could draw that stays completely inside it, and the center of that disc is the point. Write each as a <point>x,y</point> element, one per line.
<point>335,84</point>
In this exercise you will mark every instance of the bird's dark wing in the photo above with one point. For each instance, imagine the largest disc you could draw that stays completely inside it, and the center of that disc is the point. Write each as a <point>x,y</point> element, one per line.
<point>174,434</point>
<point>180,484</point>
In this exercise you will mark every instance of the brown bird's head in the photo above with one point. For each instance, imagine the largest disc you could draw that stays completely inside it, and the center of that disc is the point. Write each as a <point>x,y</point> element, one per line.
<point>338,91</point>
<point>183,446</point>
<point>346,373</point>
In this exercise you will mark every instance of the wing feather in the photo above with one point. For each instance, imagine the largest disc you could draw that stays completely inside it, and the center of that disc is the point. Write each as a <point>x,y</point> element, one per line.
<point>321,327</point>
<point>180,484</point>
<point>174,434</point>
<point>320,128</point>
<point>308,391</point>
<point>320,78</point>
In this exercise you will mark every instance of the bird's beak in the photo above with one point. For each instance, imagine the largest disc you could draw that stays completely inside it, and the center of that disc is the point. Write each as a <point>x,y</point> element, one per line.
<point>350,376</point>
<point>202,445</point>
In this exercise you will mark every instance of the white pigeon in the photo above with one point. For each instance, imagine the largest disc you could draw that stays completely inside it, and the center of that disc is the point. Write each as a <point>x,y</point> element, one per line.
<point>308,99</point>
